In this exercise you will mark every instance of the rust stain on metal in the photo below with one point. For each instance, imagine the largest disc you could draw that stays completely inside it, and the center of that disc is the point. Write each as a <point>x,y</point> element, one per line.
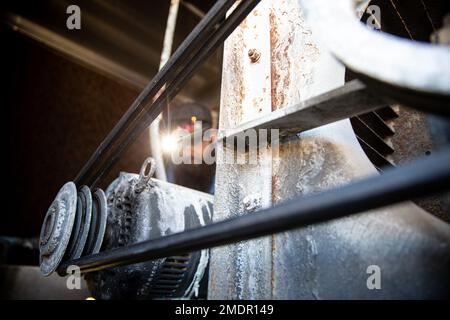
<point>275,77</point>
<point>243,24</point>
<point>413,139</point>
<point>243,270</point>
<point>287,78</point>
<point>281,40</point>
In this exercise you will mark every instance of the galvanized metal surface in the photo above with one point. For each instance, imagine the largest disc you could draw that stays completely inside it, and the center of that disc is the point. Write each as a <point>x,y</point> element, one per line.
<point>411,247</point>
<point>240,270</point>
<point>319,159</point>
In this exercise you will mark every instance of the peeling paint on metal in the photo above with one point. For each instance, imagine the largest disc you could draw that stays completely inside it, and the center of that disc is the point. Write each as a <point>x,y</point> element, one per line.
<point>240,270</point>
<point>328,260</point>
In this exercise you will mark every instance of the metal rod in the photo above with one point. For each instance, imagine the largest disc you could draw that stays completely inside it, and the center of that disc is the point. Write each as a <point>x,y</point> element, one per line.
<point>418,179</point>
<point>155,142</point>
<point>173,86</point>
<point>202,34</point>
<point>193,9</point>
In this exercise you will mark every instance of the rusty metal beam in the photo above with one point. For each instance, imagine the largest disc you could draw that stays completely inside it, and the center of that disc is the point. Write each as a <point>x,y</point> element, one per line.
<point>327,260</point>
<point>347,101</point>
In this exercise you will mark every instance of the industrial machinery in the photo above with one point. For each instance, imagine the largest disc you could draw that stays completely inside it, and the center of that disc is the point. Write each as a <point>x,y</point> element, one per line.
<point>330,195</point>
<point>134,209</point>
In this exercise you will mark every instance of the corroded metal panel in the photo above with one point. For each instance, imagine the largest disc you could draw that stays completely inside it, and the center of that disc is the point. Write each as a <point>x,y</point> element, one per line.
<point>342,103</point>
<point>329,260</point>
<point>243,270</point>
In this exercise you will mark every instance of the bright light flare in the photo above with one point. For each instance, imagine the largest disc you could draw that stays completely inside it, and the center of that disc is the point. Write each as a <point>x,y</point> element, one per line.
<point>169,143</point>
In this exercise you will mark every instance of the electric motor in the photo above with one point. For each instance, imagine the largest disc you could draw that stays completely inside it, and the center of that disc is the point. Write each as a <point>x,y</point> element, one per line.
<point>136,208</point>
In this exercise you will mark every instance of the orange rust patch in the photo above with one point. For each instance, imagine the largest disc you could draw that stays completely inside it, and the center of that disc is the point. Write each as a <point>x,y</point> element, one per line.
<point>275,77</point>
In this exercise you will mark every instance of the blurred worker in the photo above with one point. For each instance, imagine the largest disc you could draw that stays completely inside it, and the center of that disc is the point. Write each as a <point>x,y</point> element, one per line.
<point>188,120</point>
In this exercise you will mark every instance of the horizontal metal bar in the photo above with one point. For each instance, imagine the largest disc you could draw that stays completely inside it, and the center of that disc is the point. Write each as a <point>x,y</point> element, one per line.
<point>418,179</point>
<point>143,107</point>
<point>345,102</point>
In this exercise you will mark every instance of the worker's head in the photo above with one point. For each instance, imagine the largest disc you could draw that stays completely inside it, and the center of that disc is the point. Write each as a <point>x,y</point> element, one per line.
<point>186,130</point>
<point>186,120</point>
<point>184,116</point>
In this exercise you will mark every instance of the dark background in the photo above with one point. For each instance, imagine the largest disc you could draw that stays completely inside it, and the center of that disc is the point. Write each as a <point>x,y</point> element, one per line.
<point>58,107</point>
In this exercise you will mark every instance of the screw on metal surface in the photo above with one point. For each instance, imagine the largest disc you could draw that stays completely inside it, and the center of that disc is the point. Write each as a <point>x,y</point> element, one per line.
<point>254,55</point>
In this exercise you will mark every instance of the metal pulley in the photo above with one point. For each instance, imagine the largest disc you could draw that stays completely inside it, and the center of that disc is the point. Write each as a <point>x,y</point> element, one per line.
<point>54,237</point>
<point>74,226</point>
